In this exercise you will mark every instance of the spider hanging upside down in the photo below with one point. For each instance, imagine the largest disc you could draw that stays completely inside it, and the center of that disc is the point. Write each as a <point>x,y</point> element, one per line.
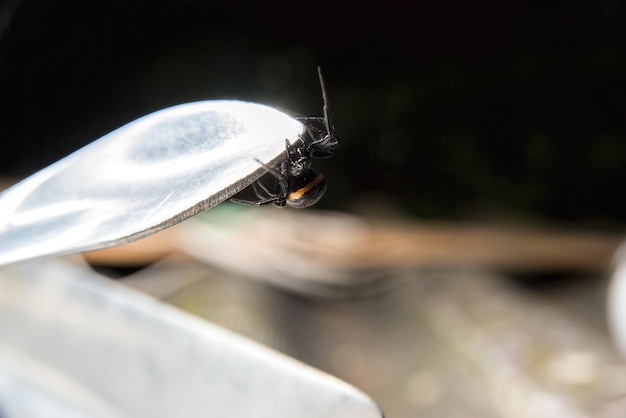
<point>300,186</point>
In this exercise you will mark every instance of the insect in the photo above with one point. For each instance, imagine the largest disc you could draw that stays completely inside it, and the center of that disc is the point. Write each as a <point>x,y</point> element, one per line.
<point>298,185</point>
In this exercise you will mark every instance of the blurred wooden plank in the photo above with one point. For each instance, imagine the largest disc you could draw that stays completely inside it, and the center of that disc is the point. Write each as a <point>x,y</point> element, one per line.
<point>392,245</point>
<point>144,251</point>
<point>490,246</point>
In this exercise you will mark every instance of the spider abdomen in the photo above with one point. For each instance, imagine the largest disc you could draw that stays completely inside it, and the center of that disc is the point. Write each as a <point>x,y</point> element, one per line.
<point>306,189</point>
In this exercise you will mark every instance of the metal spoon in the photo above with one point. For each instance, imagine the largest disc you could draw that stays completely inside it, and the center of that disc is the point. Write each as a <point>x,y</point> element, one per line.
<point>143,177</point>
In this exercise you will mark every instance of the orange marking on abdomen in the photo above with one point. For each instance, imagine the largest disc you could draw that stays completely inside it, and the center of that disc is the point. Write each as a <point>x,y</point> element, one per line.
<point>302,190</point>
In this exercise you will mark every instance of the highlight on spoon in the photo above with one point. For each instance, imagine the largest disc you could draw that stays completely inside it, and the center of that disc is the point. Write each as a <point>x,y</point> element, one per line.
<point>143,177</point>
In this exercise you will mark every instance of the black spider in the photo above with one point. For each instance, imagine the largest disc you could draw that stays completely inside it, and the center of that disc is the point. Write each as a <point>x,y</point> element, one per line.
<point>298,185</point>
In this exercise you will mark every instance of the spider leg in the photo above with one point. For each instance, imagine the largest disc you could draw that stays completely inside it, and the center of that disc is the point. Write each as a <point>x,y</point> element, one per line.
<point>269,169</point>
<point>316,134</point>
<point>307,118</point>
<point>262,191</point>
<point>263,202</point>
<point>281,176</point>
<point>310,126</point>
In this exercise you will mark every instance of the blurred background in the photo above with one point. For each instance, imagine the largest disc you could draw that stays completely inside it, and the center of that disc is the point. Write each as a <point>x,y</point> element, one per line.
<point>443,108</point>
<point>477,196</point>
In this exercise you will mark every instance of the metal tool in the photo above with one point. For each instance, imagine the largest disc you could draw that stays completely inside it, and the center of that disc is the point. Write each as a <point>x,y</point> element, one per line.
<point>143,177</point>
<point>75,344</point>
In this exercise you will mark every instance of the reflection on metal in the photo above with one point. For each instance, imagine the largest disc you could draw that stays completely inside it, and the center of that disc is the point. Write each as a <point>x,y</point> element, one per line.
<point>76,345</point>
<point>616,300</point>
<point>146,176</point>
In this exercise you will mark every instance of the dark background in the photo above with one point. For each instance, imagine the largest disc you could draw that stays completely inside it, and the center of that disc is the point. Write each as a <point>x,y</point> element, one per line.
<point>446,109</point>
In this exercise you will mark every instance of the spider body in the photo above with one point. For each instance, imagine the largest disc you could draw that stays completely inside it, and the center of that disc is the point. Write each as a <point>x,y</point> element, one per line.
<point>296,192</point>
<point>298,185</point>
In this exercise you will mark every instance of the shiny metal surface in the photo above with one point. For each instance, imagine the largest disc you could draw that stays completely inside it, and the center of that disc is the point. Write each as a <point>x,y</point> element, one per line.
<point>141,178</point>
<point>616,300</point>
<point>75,344</point>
